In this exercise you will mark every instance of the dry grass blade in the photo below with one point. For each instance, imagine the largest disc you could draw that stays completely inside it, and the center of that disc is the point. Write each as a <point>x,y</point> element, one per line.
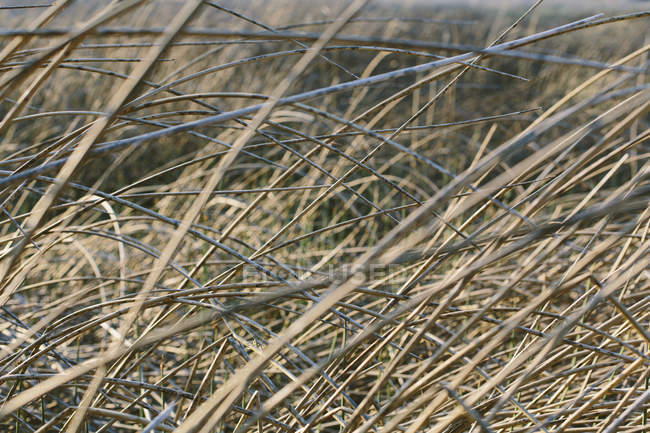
<point>214,221</point>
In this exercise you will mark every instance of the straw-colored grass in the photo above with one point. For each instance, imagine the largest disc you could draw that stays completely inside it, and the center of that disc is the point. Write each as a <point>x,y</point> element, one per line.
<point>323,217</point>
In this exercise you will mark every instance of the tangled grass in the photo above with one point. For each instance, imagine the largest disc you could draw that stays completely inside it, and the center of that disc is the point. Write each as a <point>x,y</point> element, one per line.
<point>309,218</point>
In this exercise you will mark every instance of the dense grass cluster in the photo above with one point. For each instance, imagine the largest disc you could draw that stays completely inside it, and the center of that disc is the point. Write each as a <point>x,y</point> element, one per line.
<point>323,217</point>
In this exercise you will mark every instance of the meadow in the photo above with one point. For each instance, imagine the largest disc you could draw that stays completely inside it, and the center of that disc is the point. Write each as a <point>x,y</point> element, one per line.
<point>346,216</point>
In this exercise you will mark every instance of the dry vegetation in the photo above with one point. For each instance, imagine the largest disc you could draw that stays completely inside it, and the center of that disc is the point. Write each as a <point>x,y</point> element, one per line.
<point>327,217</point>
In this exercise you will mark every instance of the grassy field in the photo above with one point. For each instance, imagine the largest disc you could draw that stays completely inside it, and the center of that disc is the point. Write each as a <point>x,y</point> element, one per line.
<point>315,217</point>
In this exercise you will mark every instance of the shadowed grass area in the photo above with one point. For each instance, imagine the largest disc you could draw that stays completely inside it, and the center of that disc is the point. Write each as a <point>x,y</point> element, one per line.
<point>345,217</point>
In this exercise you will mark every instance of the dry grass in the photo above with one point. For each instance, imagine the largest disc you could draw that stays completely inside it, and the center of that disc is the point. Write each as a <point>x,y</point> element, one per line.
<point>382,219</point>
